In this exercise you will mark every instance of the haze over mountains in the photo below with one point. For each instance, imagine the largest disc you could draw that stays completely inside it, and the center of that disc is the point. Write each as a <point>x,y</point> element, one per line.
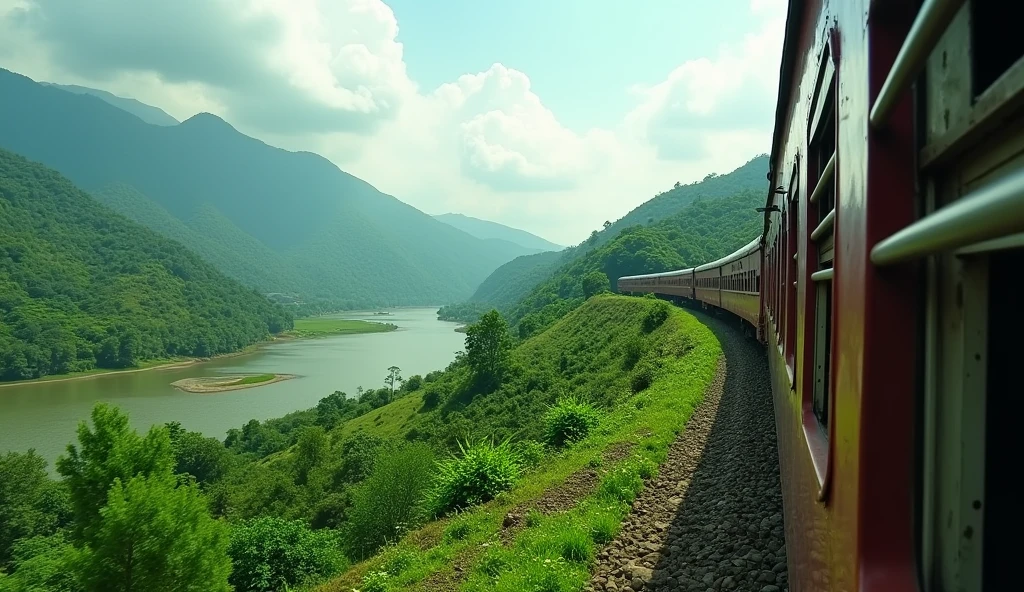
<point>492,230</point>
<point>283,222</point>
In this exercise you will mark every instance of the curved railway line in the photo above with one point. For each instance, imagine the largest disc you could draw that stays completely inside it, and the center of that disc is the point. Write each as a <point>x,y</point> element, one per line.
<point>712,518</point>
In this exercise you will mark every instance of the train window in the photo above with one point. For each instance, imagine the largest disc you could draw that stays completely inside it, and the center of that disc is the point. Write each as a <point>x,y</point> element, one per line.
<point>822,163</point>
<point>996,44</point>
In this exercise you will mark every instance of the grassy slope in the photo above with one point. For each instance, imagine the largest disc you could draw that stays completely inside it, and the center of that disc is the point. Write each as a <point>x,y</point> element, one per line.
<point>685,353</point>
<point>322,327</point>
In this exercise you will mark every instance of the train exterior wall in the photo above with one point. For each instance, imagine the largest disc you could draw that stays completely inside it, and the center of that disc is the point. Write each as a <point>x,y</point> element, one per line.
<point>848,512</point>
<point>745,305</point>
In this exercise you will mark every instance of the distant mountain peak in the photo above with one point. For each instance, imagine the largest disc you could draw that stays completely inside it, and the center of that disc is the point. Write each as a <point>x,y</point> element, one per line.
<point>485,229</point>
<point>148,113</point>
<point>207,120</point>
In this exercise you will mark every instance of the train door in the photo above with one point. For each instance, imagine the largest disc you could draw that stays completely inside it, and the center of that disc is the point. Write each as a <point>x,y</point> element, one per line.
<point>970,240</point>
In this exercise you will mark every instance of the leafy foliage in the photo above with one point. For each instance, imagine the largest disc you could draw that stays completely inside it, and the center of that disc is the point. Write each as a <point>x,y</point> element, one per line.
<point>482,471</point>
<point>487,350</point>
<point>153,536</point>
<point>80,287</point>
<point>569,420</point>
<point>390,501</point>
<point>705,230</point>
<point>270,553</point>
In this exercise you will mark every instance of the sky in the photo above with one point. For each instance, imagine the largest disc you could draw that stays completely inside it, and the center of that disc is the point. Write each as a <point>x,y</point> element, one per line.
<point>551,116</point>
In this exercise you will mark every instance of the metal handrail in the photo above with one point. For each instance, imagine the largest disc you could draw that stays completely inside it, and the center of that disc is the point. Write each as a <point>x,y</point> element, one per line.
<point>990,212</point>
<point>825,226</point>
<point>824,179</point>
<point>930,24</point>
<point>823,276</point>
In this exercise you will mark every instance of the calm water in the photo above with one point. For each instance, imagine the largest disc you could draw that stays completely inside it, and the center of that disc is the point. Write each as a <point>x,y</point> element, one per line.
<point>44,415</point>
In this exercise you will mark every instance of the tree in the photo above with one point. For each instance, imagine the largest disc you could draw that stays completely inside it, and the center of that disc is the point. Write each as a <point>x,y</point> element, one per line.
<point>390,501</point>
<point>204,458</point>
<point>22,480</point>
<point>594,282</point>
<point>487,349</point>
<point>394,377</point>
<point>109,452</point>
<point>272,554</point>
<point>607,225</point>
<point>136,528</point>
<point>155,537</point>
<point>310,451</point>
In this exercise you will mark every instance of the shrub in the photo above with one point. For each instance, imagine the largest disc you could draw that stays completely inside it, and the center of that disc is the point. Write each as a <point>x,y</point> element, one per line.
<point>569,420</point>
<point>270,553</point>
<point>655,317</point>
<point>399,560</point>
<point>390,501</point>
<point>633,351</point>
<point>432,396</point>
<point>375,581</point>
<point>412,383</point>
<point>643,377</point>
<point>531,452</point>
<point>483,471</point>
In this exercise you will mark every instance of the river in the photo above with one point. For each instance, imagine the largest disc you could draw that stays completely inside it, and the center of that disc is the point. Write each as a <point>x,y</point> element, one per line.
<point>44,415</point>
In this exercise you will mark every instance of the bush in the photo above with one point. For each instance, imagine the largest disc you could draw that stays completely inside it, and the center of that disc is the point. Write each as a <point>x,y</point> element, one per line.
<point>569,420</point>
<point>270,553</point>
<point>531,452</point>
<point>634,350</point>
<point>432,396</point>
<point>376,581</point>
<point>643,377</point>
<point>483,471</point>
<point>412,383</point>
<point>390,501</point>
<point>655,317</point>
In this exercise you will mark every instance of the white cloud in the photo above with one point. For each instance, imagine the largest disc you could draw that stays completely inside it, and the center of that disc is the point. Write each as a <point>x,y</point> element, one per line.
<point>330,76</point>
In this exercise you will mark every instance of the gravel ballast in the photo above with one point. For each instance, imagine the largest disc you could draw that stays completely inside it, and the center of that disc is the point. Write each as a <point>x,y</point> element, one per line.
<point>712,517</point>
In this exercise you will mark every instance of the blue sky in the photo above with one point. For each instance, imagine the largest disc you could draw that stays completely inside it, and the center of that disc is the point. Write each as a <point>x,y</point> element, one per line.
<point>552,116</point>
<point>581,56</point>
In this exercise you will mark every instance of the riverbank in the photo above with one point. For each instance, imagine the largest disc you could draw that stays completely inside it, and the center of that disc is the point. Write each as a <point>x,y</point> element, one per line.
<point>220,384</point>
<point>304,329</point>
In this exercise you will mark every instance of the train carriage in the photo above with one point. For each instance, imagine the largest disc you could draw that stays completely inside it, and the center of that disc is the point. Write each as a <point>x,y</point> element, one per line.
<point>670,283</point>
<point>888,262</point>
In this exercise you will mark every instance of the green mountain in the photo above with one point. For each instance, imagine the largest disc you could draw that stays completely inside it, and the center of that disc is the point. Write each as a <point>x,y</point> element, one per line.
<point>516,279</point>
<point>147,113</point>
<point>492,230</point>
<point>513,280</point>
<point>703,231</point>
<point>82,287</point>
<point>343,243</point>
<point>750,176</point>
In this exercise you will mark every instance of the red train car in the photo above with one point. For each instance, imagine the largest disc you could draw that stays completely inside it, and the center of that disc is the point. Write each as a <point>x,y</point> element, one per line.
<point>892,244</point>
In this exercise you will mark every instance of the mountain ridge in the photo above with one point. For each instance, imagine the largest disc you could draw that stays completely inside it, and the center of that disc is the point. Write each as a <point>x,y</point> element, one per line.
<point>485,229</point>
<point>353,245</point>
<point>148,113</point>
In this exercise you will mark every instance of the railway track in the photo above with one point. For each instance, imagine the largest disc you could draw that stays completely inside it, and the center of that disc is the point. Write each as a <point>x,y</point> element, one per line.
<point>712,518</point>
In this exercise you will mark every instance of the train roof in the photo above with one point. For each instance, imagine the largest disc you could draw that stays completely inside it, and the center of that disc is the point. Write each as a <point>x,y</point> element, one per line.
<point>738,254</point>
<point>657,275</point>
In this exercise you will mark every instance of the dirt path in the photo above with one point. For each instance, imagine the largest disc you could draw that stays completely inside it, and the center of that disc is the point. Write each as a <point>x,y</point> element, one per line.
<point>712,518</point>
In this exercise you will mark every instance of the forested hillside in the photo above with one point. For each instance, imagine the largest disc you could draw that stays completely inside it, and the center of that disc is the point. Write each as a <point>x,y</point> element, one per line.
<point>291,503</point>
<point>347,244</point>
<point>81,287</point>
<point>704,231</point>
<point>749,177</point>
<point>515,280</point>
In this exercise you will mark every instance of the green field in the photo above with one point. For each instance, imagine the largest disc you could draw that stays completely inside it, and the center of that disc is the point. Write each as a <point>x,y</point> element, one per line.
<point>252,379</point>
<point>322,327</point>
